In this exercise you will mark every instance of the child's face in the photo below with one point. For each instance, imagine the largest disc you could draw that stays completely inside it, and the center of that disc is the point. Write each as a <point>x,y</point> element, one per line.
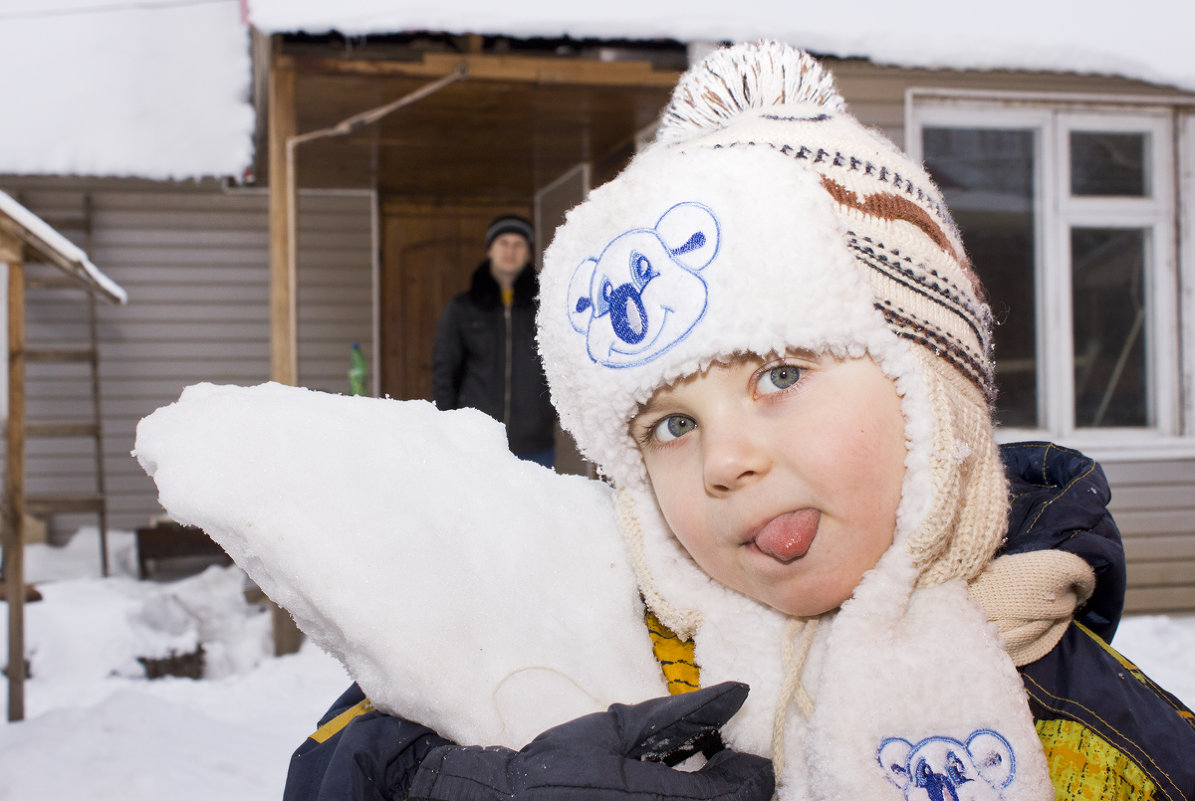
<point>782,477</point>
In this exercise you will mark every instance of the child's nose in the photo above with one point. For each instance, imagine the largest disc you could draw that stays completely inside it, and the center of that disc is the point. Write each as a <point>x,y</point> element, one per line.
<point>732,459</point>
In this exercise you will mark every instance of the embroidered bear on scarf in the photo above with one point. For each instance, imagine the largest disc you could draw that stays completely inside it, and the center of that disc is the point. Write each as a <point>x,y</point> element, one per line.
<point>944,769</point>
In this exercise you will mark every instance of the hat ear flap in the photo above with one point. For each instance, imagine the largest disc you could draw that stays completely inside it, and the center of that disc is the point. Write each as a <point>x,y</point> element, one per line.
<point>968,514</point>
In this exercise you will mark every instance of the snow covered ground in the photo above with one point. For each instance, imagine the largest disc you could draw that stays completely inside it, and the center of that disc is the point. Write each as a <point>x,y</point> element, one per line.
<point>95,728</point>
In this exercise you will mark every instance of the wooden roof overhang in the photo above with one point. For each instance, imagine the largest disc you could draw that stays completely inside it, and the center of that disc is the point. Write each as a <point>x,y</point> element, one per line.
<point>439,128</point>
<point>24,237</point>
<point>509,126</point>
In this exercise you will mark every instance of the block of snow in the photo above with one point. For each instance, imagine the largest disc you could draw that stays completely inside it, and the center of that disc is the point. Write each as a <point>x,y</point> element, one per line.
<point>484,596</point>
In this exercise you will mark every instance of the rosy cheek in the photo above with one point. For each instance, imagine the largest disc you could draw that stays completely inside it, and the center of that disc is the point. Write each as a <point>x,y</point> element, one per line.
<point>685,526</point>
<point>680,525</point>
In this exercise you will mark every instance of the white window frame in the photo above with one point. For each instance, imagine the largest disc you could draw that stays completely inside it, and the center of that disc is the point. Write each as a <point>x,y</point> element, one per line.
<point>1185,183</point>
<point>1170,338</point>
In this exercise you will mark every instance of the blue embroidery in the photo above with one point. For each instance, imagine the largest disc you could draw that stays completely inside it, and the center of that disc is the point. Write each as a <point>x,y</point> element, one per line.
<point>695,241</point>
<point>642,294</point>
<point>937,768</point>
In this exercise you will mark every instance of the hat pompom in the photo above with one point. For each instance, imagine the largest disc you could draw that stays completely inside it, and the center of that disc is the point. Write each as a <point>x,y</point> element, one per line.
<point>734,79</point>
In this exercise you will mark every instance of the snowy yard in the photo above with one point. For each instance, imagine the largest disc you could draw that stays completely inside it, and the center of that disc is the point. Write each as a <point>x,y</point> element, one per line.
<point>95,728</point>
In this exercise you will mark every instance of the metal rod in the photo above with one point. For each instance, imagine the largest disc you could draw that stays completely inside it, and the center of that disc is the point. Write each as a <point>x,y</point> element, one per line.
<point>354,122</point>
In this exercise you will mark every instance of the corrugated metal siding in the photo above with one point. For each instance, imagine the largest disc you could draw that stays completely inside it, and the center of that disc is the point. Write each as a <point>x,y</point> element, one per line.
<point>336,287</point>
<point>194,261</point>
<point>1154,505</point>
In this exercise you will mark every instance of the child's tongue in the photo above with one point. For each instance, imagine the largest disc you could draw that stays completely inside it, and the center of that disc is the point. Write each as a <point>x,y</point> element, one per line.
<point>789,536</point>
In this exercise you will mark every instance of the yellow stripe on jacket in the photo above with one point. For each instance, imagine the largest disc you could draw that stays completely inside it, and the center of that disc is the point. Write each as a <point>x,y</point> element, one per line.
<point>337,723</point>
<point>675,657</point>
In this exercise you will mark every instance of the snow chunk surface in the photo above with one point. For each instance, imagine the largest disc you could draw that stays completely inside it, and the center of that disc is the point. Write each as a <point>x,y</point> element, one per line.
<point>484,596</point>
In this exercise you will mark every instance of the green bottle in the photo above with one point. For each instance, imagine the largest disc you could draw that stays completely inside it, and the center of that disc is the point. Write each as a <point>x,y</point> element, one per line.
<point>356,371</point>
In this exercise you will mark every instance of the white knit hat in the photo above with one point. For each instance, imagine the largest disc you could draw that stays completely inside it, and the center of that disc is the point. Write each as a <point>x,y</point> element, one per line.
<point>764,219</point>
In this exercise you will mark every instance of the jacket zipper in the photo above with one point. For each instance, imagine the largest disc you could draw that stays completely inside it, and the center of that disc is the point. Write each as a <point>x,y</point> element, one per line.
<point>506,384</point>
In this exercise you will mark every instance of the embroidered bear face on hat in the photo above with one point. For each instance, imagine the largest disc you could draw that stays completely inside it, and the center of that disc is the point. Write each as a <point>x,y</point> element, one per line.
<point>644,292</point>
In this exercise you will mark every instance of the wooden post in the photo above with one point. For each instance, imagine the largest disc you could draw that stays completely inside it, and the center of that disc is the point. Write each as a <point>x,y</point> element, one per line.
<point>14,481</point>
<point>284,362</point>
<point>283,212</point>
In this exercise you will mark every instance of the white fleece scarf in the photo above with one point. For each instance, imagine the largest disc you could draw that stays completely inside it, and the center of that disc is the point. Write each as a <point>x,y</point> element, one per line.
<point>912,693</point>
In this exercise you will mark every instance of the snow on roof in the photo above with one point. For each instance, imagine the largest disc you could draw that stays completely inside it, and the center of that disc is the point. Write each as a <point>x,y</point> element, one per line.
<point>56,247</point>
<point>160,88</point>
<point>1147,39</point>
<point>146,88</point>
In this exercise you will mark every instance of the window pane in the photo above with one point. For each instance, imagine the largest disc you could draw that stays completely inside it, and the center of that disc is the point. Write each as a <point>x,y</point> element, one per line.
<point>1108,284</point>
<point>1108,164</point>
<point>987,177</point>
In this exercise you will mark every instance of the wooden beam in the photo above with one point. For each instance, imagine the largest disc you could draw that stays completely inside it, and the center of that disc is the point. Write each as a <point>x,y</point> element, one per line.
<point>11,246</point>
<point>37,249</point>
<point>14,480</point>
<point>575,71</point>
<point>283,210</point>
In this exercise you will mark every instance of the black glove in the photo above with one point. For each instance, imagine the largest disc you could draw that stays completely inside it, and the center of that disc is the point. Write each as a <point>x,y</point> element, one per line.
<point>622,754</point>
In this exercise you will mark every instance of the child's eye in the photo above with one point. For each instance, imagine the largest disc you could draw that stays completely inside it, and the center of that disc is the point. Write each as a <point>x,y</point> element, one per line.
<point>672,427</point>
<point>779,378</point>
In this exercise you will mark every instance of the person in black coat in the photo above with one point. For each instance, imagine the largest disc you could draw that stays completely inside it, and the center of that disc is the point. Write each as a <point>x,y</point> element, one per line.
<point>485,355</point>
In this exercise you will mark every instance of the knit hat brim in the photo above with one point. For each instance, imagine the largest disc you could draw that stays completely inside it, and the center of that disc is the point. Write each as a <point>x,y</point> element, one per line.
<point>510,224</point>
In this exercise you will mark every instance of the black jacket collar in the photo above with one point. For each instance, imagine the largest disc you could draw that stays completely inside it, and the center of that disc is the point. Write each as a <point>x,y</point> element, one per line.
<point>485,292</point>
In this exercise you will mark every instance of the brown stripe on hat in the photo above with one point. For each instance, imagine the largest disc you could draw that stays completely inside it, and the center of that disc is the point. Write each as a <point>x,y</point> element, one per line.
<point>888,206</point>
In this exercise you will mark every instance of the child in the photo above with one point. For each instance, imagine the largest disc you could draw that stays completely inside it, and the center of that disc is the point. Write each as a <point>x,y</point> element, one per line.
<point>766,334</point>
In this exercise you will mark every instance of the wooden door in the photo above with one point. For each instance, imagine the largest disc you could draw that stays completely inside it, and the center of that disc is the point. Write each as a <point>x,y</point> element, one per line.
<point>429,253</point>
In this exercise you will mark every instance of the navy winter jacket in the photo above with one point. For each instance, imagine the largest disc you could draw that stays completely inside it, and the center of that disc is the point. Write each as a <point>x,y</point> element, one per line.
<point>1108,731</point>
